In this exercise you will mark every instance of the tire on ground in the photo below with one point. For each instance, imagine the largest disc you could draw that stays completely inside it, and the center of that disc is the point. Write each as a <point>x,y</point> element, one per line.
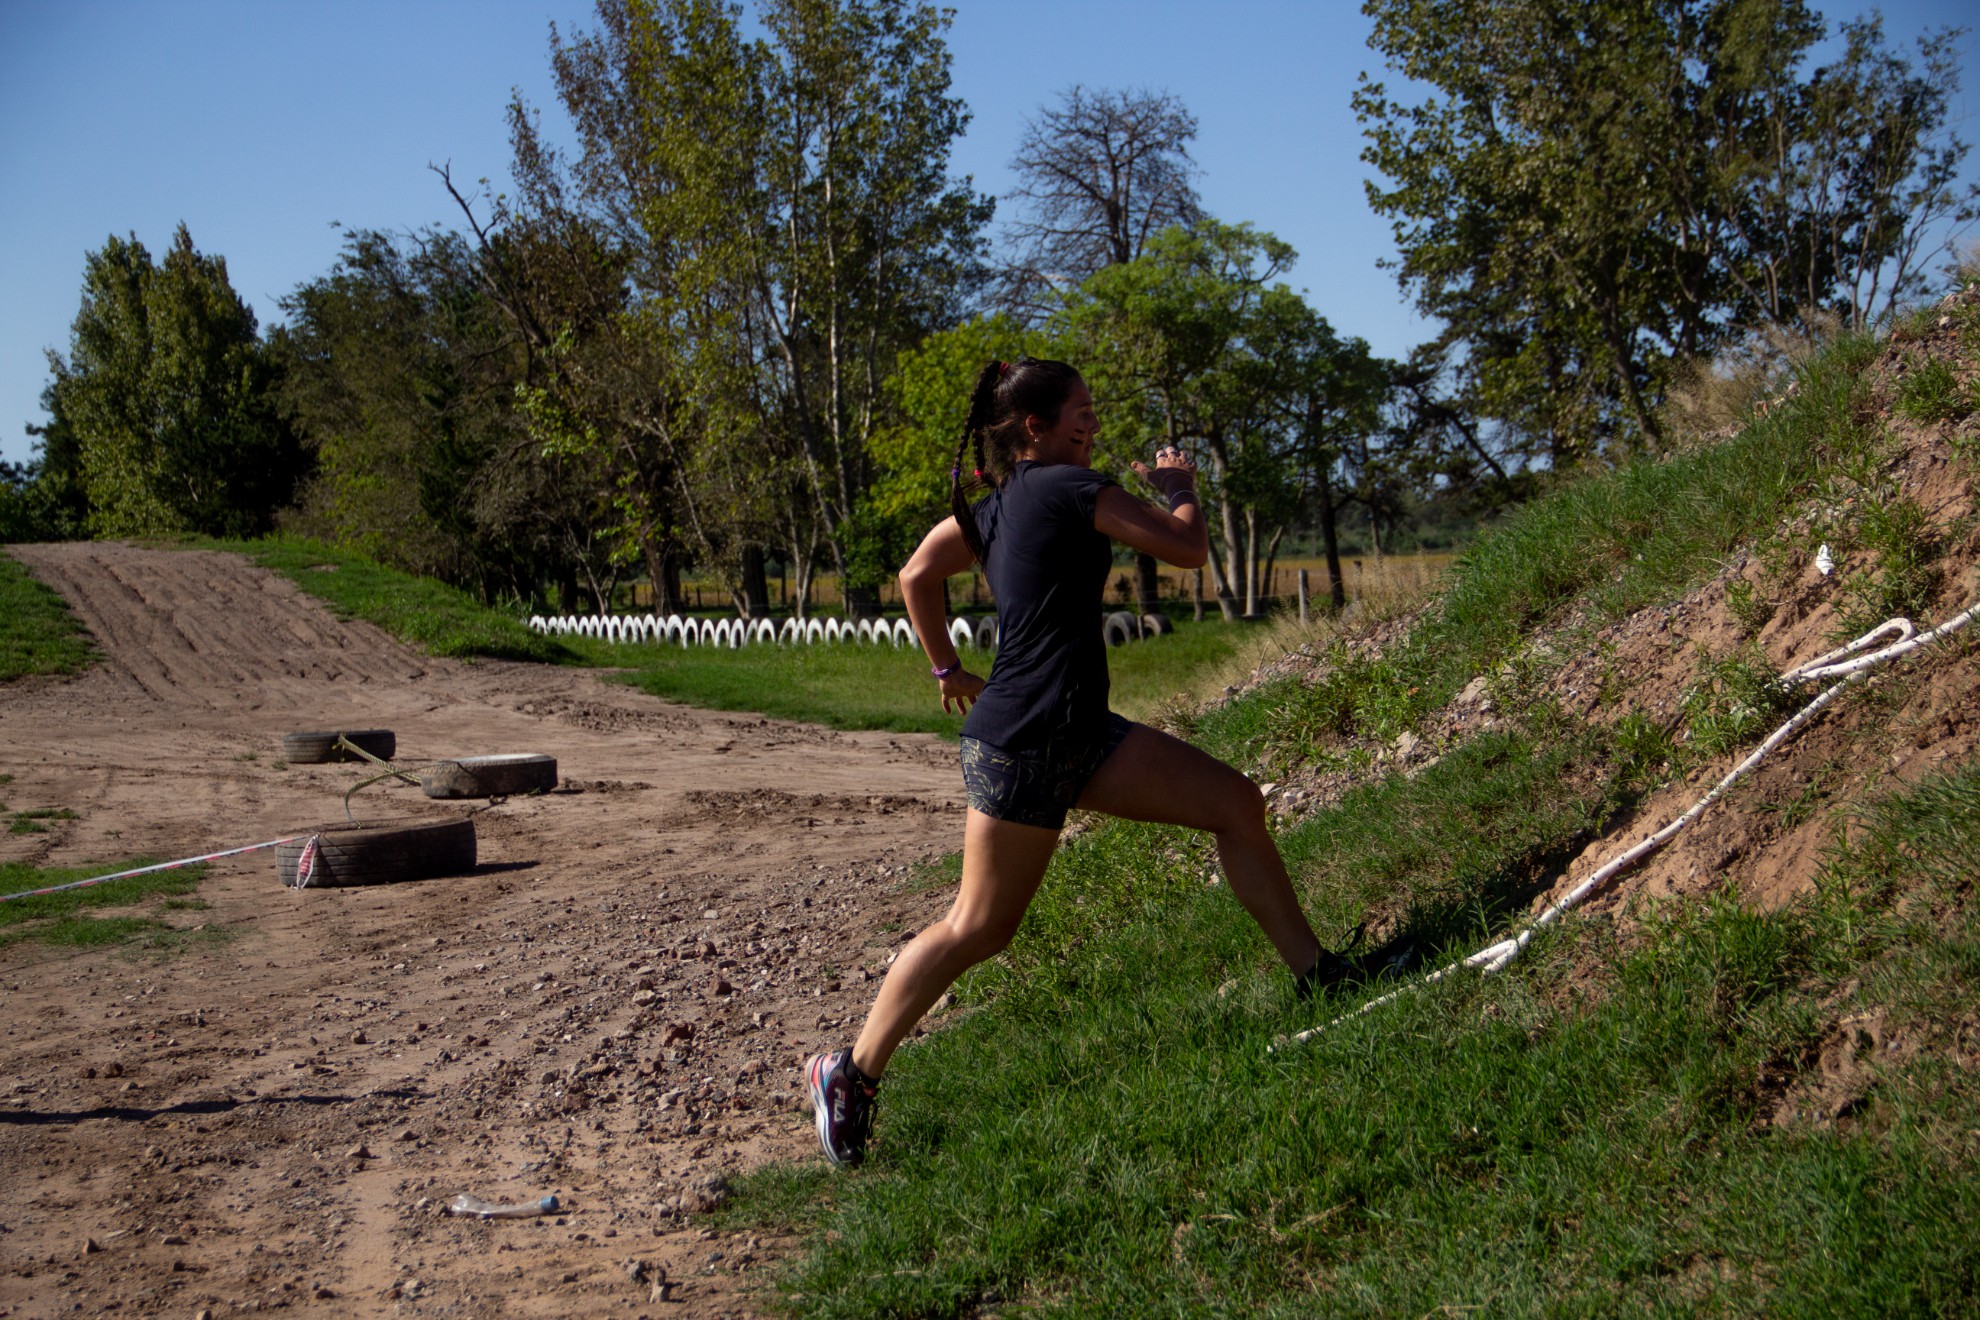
<point>1156,625</point>
<point>1119,628</point>
<point>986,633</point>
<point>382,852</point>
<point>310,748</point>
<point>509,775</point>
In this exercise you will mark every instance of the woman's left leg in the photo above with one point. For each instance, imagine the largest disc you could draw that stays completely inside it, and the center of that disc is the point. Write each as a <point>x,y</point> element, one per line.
<point>1154,777</point>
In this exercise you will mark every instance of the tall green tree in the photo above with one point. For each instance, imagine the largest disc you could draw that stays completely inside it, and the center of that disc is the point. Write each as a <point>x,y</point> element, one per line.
<point>400,376</point>
<point>1593,192</point>
<point>168,398</point>
<point>787,227</point>
<point>1194,343</point>
<point>1099,175</point>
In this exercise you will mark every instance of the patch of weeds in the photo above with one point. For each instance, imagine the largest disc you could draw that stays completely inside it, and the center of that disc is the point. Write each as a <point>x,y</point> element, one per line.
<point>186,905</point>
<point>438,618</point>
<point>60,918</point>
<point>1733,702</point>
<point>924,877</point>
<point>1644,749</point>
<point>81,931</point>
<point>777,1197</point>
<point>1931,393</point>
<point>1899,533</point>
<point>1519,687</point>
<point>1289,722</point>
<point>29,822</point>
<point>1750,610</point>
<point>278,765</point>
<point>1399,1163</point>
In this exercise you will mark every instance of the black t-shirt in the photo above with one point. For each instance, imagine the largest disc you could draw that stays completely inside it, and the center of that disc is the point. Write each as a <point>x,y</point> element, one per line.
<point>1047,567</point>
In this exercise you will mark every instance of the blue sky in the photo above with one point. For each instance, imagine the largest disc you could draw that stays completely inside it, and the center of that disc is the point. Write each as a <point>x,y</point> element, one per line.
<point>265,125</point>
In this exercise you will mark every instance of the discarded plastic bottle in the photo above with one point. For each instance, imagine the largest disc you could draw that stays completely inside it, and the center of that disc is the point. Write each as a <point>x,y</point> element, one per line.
<point>480,1209</point>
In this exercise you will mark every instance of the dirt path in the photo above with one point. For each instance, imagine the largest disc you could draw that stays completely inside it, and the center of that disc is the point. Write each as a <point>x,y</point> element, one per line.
<point>611,1009</point>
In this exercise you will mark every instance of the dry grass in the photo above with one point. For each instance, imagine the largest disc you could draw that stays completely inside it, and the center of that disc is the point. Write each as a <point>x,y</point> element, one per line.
<point>1378,590</point>
<point>1710,398</point>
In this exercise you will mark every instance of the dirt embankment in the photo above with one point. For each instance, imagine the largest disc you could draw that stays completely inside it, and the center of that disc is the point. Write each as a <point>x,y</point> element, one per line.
<point>612,1008</point>
<point>1921,716</point>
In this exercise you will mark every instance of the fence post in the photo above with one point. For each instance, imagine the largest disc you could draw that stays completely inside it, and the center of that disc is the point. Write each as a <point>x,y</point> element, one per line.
<point>1302,598</point>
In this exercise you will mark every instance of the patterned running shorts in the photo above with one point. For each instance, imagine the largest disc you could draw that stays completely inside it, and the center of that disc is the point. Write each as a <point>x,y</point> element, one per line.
<point>1039,787</point>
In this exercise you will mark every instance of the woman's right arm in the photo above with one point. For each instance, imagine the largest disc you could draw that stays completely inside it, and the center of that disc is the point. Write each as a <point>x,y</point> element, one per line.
<point>1177,535</point>
<point>942,554</point>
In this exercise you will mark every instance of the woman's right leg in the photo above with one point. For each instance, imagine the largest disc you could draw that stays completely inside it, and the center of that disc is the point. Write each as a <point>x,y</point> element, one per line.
<point>1002,865</point>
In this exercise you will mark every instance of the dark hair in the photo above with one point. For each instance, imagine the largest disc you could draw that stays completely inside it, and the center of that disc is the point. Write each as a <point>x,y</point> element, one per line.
<point>1006,393</point>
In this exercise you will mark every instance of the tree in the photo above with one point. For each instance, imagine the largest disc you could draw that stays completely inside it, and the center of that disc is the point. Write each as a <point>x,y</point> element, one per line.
<point>1335,411</point>
<point>786,226</point>
<point>45,500</point>
<point>1595,192</point>
<point>167,396</point>
<point>1192,344</point>
<point>400,376</point>
<point>1099,175</point>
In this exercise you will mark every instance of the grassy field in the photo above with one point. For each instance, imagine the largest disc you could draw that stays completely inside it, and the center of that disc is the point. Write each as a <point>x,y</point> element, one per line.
<point>865,687</point>
<point>1612,1126</point>
<point>38,635</point>
<point>65,919</point>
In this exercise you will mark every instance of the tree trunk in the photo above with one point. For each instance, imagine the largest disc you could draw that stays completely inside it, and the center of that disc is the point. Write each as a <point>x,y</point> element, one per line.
<point>860,602</point>
<point>1272,560</point>
<point>672,599</point>
<point>1221,583</point>
<point>1330,535</point>
<point>1251,561</point>
<point>755,584</point>
<point>1148,584</point>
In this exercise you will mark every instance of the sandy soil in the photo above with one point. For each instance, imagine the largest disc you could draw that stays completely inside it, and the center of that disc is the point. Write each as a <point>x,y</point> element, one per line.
<point>611,1009</point>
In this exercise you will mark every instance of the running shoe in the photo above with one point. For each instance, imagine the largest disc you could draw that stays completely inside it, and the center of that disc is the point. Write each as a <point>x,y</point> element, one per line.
<point>1328,971</point>
<point>842,1104</point>
<point>1351,965</point>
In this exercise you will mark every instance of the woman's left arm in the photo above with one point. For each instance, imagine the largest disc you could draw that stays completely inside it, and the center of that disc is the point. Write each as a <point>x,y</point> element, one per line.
<point>1178,535</point>
<point>943,553</point>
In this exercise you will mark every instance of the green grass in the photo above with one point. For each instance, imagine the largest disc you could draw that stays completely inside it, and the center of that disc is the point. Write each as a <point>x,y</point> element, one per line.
<point>63,919</point>
<point>428,614</point>
<point>868,687</point>
<point>1590,1133</point>
<point>38,635</point>
<point>1931,393</point>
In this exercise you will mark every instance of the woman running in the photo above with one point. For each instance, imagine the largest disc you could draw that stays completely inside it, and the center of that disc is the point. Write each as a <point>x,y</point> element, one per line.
<point>1039,738</point>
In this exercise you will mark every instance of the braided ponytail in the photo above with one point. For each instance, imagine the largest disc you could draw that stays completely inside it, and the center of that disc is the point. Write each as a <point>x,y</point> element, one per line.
<point>1006,393</point>
<point>982,413</point>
